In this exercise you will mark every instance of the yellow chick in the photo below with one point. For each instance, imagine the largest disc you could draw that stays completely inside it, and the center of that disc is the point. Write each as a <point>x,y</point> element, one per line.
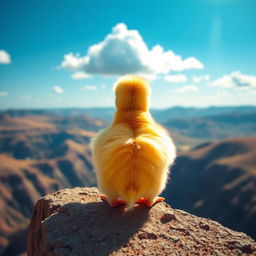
<point>132,157</point>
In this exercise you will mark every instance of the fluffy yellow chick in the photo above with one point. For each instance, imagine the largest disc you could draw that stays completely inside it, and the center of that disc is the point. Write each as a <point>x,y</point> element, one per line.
<point>132,157</point>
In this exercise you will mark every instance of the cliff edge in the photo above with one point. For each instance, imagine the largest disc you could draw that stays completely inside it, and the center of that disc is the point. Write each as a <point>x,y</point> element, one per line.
<point>76,222</point>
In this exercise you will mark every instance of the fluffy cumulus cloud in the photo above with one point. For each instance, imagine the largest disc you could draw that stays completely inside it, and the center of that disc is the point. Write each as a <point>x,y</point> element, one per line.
<point>124,51</point>
<point>199,79</point>
<point>235,80</point>
<point>179,78</point>
<point>58,89</point>
<point>5,57</point>
<point>185,89</point>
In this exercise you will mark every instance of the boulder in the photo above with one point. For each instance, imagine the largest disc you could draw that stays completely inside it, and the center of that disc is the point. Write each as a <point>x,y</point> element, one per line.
<point>73,222</point>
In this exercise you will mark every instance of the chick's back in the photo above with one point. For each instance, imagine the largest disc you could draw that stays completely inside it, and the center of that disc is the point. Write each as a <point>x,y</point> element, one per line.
<point>132,156</point>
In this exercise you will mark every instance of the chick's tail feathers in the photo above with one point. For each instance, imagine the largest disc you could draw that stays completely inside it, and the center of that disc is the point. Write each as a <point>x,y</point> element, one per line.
<point>131,197</point>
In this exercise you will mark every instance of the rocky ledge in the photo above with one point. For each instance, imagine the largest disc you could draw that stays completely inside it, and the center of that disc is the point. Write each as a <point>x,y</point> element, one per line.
<point>76,222</point>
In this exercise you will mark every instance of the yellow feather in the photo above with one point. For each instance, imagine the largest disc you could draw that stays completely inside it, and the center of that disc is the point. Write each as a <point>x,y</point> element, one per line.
<point>132,157</point>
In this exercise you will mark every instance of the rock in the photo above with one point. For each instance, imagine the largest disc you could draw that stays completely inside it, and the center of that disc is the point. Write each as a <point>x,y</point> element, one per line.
<point>76,222</point>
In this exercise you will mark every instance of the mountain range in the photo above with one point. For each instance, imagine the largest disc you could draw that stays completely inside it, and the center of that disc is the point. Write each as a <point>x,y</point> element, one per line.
<point>106,113</point>
<point>42,151</point>
<point>221,126</point>
<point>40,154</point>
<point>217,180</point>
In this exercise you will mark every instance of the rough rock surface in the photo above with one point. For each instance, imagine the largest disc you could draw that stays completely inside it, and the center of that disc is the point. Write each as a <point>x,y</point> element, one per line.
<point>76,222</point>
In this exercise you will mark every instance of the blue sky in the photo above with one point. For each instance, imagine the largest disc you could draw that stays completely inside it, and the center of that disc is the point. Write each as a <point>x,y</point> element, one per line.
<point>193,52</point>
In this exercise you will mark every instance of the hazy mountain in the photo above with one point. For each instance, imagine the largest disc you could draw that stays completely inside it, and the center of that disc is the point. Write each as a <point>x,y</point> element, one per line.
<point>38,155</point>
<point>218,181</point>
<point>45,150</point>
<point>186,112</point>
<point>188,126</point>
<point>106,113</point>
<point>215,127</point>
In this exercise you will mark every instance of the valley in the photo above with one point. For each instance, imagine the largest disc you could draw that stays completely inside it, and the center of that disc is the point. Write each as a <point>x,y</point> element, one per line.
<point>42,151</point>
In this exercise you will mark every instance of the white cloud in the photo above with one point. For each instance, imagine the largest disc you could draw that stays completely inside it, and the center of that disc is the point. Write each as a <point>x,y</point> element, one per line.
<point>3,94</point>
<point>5,58</point>
<point>179,78</point>
<point>235,80</point>
<point>80,75</point>
<point>185,89</point>
<point>89,88</point>
<point>58,90</point>
<point>199,79</point>
<point>124,51</point>
<point>25,97</point>
<point>224,94</point>
<point>73,61</point>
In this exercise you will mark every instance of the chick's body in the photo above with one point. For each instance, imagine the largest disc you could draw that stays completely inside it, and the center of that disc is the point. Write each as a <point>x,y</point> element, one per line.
<point>132,157</point>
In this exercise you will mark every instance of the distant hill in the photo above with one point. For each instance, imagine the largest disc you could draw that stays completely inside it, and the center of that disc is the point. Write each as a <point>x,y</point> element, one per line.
<point>106,113</point>
<point>165,115</point>
<point>42,151</point>
<point>215,127</point>
<point>188,126</point>
<point>40,154</point>
<point>217,180</point>
<point>38,136</point>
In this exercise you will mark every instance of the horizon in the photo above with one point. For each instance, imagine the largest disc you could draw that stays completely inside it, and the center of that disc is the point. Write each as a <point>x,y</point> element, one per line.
<point>196,53</point>
<point>113,107</point>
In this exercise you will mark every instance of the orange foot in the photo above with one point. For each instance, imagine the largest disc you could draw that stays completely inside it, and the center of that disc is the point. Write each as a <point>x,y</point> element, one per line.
<point>113,203</point>
<point>148,202</point>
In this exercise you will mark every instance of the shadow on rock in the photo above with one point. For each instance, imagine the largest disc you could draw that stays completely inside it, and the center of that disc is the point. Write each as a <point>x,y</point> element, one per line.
<point>92,228</point>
